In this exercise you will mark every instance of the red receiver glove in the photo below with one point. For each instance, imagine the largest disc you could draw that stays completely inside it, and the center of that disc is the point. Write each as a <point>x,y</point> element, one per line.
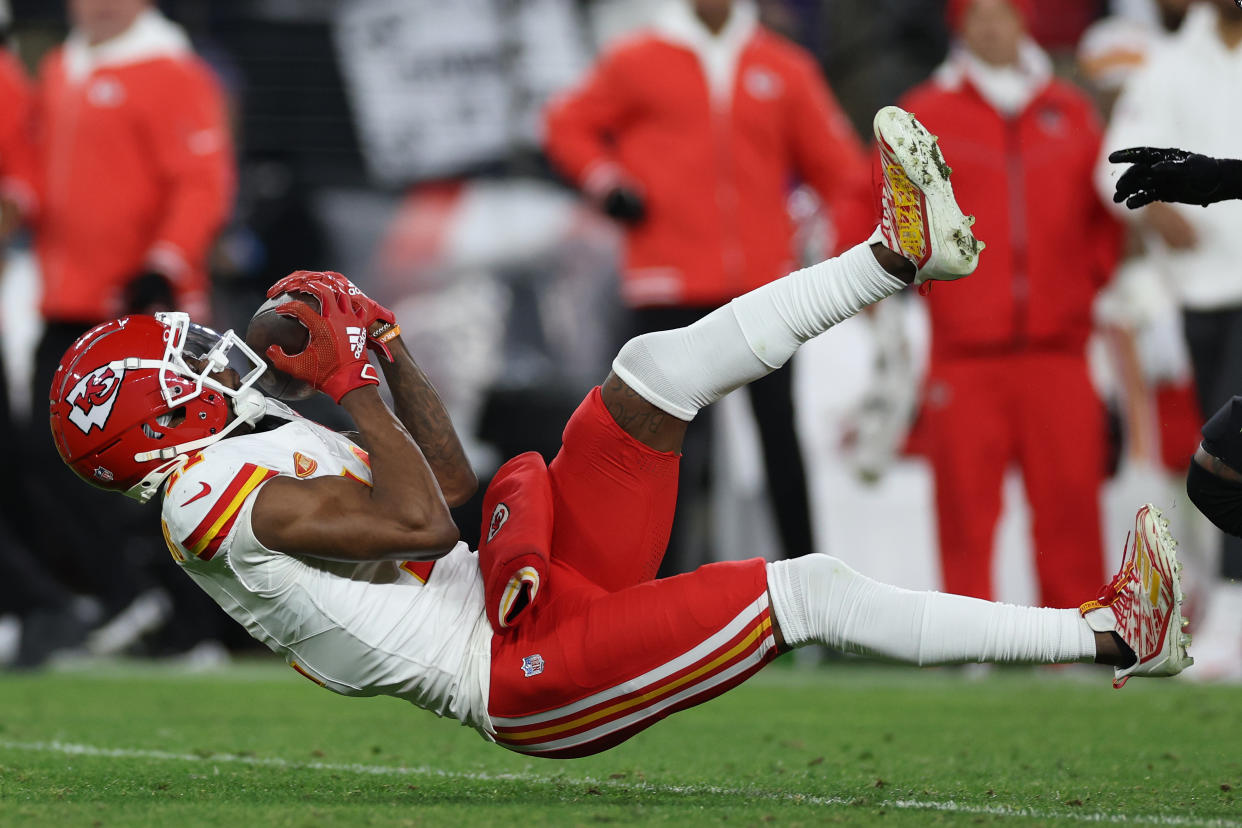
<point>381,325</point>
<point>335,359</point>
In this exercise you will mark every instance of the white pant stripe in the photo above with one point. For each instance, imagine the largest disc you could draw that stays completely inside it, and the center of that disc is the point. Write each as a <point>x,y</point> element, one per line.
<point>659,674</point>
<point>654,707</point>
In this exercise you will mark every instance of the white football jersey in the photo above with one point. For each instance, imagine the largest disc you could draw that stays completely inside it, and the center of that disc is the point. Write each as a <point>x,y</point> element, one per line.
<point>413,630</point>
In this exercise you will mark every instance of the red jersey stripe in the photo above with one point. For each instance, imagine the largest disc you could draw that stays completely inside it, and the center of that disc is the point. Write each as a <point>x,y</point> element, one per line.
<point>419,569</point>
<point>225,508</point>
<point>213,546</point>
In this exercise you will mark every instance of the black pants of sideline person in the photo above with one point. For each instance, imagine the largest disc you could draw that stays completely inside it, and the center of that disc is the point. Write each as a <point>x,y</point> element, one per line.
<point>87,534</point>
<point>1215,343</point>
<point>102,543</point>
<point>771,400</point>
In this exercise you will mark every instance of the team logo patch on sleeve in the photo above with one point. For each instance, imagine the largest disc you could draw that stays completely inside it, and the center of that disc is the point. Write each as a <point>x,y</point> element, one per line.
<point>304,466</point>
<point>532,665</point>
<point>91,400</point>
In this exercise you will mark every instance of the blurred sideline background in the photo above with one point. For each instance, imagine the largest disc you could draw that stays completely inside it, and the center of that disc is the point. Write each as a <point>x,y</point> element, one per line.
<point>397,141</point>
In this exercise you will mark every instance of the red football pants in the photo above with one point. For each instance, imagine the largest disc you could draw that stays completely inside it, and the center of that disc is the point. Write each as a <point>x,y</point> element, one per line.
<point>1040,411</point>
<point>606,651</point>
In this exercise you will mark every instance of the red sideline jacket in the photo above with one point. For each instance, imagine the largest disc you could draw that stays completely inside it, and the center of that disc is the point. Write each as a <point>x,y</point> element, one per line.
<point>15,99</point>
<point>133,168</point>
<point>716,180</point>
<point>1051,244</point>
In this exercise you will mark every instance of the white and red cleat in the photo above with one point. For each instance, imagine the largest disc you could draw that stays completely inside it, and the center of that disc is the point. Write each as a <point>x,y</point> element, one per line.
<point>1143,602</point>
<point>920,218</point>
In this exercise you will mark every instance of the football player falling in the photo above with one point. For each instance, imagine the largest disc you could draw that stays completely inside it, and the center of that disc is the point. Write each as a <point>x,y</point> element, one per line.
<point>554,639</point>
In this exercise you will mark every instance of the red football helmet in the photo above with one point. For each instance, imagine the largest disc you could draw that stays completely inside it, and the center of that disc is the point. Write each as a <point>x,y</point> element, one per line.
<point>127,407</point>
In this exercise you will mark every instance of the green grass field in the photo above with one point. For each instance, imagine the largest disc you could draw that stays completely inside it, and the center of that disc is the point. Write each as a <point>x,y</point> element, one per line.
<point>256,745</point>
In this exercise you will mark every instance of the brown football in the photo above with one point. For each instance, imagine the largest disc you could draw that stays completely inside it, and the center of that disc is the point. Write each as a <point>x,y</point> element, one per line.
<point>267,327</point>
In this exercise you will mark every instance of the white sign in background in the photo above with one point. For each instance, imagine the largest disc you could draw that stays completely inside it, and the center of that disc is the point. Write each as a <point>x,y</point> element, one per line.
<point>437,87</point>
<point>426,79</point>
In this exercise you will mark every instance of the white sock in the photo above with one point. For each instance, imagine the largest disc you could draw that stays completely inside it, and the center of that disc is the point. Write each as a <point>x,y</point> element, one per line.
<point>778,317</point>
<point>683,370</point>
<point>819,599</point>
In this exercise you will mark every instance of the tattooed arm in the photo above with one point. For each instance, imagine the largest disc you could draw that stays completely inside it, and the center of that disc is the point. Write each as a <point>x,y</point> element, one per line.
<point>415,401</point>
<point>639,418</point>
<point>418,407</point>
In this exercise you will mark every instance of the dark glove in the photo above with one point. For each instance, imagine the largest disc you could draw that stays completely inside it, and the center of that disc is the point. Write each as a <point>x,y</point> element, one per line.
<point>148,292</point>
<point>1169,174</point>
<point>624,204</point>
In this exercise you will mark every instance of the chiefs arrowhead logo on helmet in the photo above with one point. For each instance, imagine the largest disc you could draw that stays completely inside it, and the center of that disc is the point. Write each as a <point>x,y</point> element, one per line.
<point>92,398</point>
<point>126,408</point>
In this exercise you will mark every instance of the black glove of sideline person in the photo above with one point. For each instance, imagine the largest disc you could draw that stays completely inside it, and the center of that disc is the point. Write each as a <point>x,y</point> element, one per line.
<point>1169,174</point>
<point>625,205</point>
<point>148,292</point>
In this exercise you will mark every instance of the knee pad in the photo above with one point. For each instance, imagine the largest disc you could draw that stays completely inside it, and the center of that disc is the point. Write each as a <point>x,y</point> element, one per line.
<point>648,364</point>
<point>685,369</point>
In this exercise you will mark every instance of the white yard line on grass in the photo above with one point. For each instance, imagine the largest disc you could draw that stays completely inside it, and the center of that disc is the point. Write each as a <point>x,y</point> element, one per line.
<point>948,806</point>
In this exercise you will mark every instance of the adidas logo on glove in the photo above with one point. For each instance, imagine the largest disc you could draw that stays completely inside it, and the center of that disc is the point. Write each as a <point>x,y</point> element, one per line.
<point>357,340</point>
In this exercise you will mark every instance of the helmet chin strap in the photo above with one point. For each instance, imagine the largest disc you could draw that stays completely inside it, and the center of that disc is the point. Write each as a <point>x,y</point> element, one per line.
<point>145,488</point>
<point>249,406</point>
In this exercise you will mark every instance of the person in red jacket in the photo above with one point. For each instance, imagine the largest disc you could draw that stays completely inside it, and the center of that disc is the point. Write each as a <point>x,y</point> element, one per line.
<point>1007,377</point>
<point>14,141</point>
<point>29,590</point>
<point>126,115</point>
<point>691,134</point>
<point>130,176</point>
